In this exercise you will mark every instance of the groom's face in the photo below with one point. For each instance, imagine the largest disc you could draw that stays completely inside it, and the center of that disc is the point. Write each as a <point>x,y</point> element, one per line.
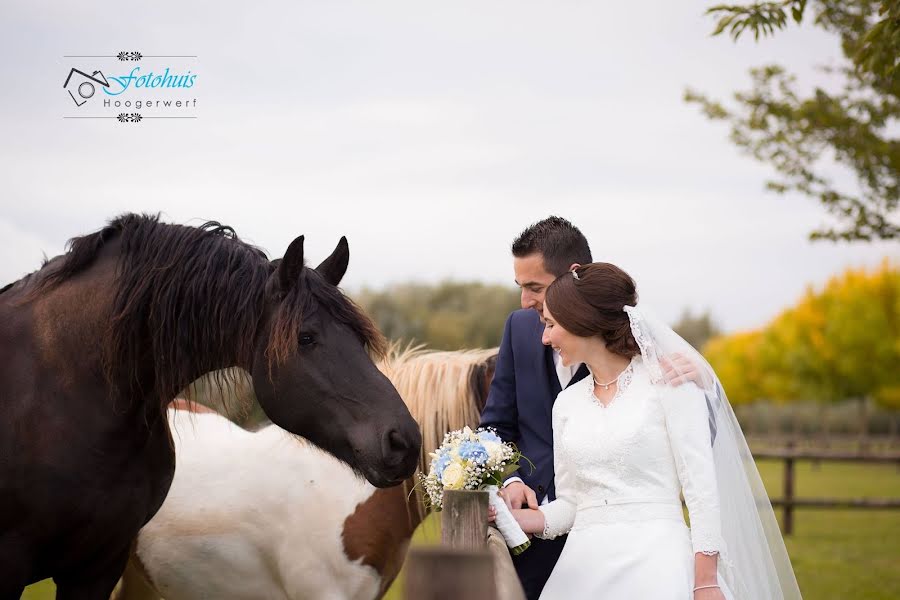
<point>533,280</point>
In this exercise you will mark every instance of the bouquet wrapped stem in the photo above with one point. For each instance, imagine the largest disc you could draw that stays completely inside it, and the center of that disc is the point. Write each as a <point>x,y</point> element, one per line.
<point>515,538</point>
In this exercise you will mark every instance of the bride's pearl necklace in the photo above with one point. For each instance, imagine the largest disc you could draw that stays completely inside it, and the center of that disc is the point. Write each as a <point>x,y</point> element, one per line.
<point>606,385</point>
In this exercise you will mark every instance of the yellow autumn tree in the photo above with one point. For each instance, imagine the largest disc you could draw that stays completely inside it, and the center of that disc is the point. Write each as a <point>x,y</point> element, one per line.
<point>837,343</point>
<point>736,360</point>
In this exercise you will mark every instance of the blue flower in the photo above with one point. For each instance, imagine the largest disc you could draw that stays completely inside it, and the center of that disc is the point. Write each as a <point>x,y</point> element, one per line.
<point>440,464</point>
<point>474,452</point>
<point>489,436</point>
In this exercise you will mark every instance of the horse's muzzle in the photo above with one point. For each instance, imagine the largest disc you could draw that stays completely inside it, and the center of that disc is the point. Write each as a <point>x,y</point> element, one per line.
<point>400,449</point>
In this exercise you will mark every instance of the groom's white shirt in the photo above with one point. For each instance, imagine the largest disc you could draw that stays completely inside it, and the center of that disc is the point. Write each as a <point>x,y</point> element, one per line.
<point>565,375</point>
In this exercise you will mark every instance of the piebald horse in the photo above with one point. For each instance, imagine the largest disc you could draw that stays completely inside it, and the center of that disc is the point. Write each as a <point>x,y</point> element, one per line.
<point>94,346</point>
<point>267,515</point>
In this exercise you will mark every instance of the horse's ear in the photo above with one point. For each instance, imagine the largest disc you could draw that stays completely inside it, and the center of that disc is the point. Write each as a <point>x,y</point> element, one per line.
<point>290,266</point>
<point>333,268</point>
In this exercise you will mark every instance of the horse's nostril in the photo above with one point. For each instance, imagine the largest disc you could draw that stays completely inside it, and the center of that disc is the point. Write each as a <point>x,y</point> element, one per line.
<point>396,448</point>
<point>397,441</point>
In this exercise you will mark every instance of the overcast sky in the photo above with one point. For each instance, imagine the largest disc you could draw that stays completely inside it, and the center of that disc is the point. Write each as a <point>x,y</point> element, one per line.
<point>428,133</point>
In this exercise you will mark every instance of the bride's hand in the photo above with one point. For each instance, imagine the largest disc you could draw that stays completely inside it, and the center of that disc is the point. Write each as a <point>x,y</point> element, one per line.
<point>709,594</point>
<point>530,520</point>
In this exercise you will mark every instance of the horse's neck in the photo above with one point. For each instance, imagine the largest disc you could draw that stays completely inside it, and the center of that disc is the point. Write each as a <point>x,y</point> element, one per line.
<point>379,530</point>
<point>415,502</point>
<point>404,502</point>
<point>68,323</point>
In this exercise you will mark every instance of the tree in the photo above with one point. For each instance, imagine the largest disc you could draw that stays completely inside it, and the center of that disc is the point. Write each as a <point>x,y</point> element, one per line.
<point>855,127</point>
<point>839,343</point>
<point>696,330</point>
<point>447,316</point>
<point>736,361</point>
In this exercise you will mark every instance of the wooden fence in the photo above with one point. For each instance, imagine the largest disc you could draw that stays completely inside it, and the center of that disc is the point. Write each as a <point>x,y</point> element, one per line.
<point>472,561</point>
<point>788,501</point>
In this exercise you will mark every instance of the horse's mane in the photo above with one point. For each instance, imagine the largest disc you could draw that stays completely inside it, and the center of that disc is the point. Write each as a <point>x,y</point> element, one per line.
<point>444,390</point>
<point>25,279</point>
<point>197,294</point>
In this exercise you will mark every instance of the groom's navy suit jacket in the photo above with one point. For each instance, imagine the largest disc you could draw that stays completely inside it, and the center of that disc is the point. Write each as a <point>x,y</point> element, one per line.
<point>521,397</point>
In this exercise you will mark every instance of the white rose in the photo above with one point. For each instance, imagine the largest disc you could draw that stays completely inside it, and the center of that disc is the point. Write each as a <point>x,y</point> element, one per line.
<point>453,477</point>
<point>494,450</point>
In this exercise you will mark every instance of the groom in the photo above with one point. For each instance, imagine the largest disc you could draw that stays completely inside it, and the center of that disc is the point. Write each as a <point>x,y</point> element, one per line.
<point>530,375</point>
<point>527,380</point>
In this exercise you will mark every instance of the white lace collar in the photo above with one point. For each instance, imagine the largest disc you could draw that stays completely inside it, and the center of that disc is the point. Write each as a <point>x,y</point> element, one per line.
<point>624,382</point>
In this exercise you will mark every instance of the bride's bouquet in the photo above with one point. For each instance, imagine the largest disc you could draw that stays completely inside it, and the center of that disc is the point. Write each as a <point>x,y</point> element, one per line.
<point>476,460</point>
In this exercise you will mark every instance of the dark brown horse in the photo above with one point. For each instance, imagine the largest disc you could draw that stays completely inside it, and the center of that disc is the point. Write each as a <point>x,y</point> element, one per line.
<point>94,346</point>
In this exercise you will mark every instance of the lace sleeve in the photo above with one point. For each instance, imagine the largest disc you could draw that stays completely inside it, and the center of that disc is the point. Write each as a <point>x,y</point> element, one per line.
<point>559,515</point>
<point>687,422</point>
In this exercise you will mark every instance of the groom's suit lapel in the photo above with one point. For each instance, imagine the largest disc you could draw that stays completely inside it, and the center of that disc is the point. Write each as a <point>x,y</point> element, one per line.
<point>546,368</point>
<point>553,380</point>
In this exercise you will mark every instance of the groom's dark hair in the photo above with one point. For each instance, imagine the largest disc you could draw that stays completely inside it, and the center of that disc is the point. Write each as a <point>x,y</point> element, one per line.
<point>558,241</point>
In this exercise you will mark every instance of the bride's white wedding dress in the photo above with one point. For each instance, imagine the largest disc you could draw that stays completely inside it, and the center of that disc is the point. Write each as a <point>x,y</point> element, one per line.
<point>620,470</point>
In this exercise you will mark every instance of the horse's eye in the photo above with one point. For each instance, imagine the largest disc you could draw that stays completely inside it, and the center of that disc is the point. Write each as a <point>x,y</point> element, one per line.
<point>306,339</point>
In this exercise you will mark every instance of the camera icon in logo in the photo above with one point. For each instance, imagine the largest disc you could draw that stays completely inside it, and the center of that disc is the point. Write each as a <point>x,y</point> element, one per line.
<point>82,87</point>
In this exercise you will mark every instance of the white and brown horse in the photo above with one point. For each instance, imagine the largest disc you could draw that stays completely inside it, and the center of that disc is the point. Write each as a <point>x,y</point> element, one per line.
<point>268,515</point>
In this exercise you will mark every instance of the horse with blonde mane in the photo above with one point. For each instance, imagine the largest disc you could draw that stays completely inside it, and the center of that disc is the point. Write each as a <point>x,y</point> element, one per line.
<point>268,515</point>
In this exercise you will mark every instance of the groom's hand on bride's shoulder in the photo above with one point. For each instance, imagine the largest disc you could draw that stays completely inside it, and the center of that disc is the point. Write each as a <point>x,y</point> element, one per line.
<point>517,495</point>
<point>678,369</point>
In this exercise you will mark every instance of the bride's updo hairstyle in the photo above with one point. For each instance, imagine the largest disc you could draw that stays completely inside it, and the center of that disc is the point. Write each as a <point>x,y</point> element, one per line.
<point>589,302</point>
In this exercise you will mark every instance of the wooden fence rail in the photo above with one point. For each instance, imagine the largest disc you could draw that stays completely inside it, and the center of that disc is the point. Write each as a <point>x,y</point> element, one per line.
<point>442,573</point>
<point>788,502</point>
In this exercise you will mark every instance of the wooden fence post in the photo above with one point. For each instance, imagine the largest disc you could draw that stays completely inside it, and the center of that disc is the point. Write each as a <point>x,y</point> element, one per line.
<point>464,527</point>
<point>789,490</point>
<point>863,424</point>
<point>449,574</point>
<point>464,519</point>
<point>462,567</point>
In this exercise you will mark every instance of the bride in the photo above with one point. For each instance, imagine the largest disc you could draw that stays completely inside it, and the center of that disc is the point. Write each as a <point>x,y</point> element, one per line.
<point>627,444</point>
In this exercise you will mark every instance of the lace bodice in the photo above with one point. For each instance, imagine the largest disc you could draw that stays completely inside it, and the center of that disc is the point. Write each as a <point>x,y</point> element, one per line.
<point>630,460</point>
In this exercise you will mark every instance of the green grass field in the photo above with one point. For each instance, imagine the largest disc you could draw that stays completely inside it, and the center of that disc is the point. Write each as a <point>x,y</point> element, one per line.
<point>847,554</point>
<point>837,554</point>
